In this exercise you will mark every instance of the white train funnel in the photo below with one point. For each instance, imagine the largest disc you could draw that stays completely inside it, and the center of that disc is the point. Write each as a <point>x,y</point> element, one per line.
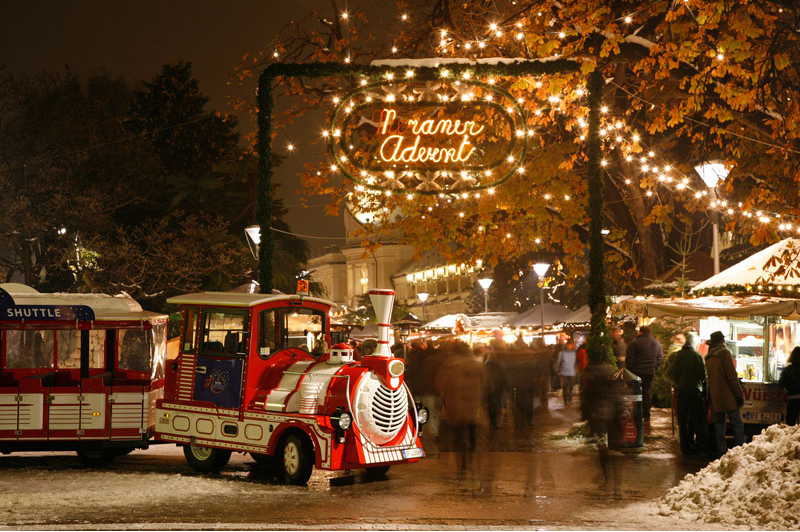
<point>382,301</point>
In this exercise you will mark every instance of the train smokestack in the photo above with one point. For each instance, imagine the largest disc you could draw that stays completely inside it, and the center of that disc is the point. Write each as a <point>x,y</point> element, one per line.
<point>382,301</point>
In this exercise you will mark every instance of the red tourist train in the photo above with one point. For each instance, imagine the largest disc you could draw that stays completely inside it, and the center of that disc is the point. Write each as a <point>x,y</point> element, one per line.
<point>253,373</point>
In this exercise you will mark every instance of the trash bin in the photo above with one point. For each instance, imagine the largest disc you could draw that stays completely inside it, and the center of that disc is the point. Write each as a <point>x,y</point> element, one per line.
<point>625,426</point>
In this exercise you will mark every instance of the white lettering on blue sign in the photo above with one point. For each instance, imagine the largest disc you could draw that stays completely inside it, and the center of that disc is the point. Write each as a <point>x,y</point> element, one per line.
<point>17,312</point>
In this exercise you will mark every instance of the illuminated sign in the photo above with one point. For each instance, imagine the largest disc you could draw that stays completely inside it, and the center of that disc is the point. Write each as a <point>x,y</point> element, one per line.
<point>428,137</point>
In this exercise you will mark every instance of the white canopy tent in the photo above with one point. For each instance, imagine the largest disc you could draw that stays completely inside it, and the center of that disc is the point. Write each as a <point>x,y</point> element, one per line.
<point>761,267</point>
<point>533,317</point>
<point>733,306</point>
<point>582,315</point>
<point>485,320</point>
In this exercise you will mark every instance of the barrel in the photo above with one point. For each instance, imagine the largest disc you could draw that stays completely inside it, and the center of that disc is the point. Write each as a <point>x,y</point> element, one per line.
<point>625,426</point>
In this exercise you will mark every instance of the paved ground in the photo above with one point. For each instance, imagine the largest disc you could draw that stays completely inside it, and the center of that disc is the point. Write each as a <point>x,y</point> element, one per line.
<point>530,478</point>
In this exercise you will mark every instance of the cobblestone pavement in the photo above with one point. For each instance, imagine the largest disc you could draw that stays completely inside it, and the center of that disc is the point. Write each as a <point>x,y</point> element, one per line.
<point>531,478</point>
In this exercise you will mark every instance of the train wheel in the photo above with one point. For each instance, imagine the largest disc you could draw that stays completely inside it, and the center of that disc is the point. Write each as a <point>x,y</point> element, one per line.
<point>95,456</point>
<point>377,472</point>
<point>206,459</point>
<point>298,459</point>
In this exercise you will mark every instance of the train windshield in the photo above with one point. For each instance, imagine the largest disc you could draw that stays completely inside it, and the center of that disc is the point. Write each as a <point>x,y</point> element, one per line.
<point>223,332</point>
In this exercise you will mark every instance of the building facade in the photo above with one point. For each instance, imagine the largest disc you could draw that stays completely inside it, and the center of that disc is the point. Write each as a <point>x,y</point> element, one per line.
<point>349,272</point>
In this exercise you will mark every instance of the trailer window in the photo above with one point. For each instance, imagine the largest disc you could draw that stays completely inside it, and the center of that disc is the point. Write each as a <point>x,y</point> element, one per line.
<point>223,333</point>
<point>134,350</point>
<point>69,348</point>
<point>29,349</point>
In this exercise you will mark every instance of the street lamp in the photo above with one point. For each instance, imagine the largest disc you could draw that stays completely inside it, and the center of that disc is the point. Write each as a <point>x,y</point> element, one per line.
<point>423,296</point>
<point>253,234</point>
<point>485,284</point>
<point>541,269</point>
<point>712,172</point>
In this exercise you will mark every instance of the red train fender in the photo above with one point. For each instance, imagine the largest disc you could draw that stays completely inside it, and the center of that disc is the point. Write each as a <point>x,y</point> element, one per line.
<point>307,428</point>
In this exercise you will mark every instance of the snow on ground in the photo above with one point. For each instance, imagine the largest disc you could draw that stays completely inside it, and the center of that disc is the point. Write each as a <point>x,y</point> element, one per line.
<point>755,485</point>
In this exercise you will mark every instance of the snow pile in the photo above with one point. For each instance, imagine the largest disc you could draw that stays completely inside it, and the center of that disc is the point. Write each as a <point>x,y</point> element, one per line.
<point>755,485</point>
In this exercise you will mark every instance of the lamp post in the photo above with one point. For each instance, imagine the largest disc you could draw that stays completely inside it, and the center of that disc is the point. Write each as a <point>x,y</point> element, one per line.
<point>485,284</point>
<point>423,296</point>
<point>253,234</point>
<point>712,172</point>
<point>541,269</point>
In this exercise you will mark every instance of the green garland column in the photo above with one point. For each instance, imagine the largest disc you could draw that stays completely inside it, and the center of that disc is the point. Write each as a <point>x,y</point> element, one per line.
<point>599,343</point>
<point>264,190</point>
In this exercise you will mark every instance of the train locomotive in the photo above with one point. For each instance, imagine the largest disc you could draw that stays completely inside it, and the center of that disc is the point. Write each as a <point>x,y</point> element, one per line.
<point>253,373</point>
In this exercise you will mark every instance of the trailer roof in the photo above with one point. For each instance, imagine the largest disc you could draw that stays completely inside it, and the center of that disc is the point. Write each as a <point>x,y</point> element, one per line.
<point>121,307</point>
<point>240,299</point>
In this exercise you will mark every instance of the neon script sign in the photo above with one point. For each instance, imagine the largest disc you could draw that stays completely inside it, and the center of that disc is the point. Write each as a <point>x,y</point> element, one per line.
<point>428,137</point>
<point>395,148</point>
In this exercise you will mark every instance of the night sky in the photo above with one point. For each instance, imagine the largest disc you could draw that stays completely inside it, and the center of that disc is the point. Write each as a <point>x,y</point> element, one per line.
<point>136,38</point>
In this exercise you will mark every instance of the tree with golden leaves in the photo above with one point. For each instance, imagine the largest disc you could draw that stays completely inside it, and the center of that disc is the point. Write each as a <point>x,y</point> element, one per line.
<point>685,82</point>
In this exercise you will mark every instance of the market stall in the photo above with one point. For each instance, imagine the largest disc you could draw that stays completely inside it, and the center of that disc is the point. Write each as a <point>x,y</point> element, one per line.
<point>760,332</point>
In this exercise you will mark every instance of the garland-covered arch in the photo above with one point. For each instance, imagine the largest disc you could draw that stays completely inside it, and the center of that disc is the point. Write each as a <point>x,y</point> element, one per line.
<point>430,70</point>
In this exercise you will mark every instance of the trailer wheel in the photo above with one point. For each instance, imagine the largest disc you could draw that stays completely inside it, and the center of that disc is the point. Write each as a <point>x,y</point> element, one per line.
<point>95,456</point>
<point>377,472</point>
<point>206,459</point>
<point>297,457</point>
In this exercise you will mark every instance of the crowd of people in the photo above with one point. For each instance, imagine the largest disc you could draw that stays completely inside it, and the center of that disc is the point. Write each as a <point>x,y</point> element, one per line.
<point>472,385</point>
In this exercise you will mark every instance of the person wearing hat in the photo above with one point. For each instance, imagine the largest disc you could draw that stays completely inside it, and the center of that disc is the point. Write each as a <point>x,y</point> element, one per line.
<point>687,373</point>
<point>725,391</point>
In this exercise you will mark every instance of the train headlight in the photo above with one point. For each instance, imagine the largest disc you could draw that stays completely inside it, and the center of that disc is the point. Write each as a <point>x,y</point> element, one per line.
<point>396,368</point>
<point>345,420</point>
<point>422,415</point>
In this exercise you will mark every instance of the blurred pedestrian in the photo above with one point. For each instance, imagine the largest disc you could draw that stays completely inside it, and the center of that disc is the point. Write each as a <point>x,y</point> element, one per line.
<point>368,347</point>
<point>581,359</point>
<point>566,363</point>
<point>643,357</point>
<point>687,373</point>
<point>460,383</point>
<point>725,391</point>
<point>676,343</point>
<point>790,381</point>
<point>520,342</point>
<point>619,346</point>
<point>596,410</point>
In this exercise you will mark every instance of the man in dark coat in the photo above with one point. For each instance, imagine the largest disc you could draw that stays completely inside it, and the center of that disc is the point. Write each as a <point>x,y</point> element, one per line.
<point>643,357</point>
<point>725,391</point>
<point>790,381</point>
<point>687,373</point>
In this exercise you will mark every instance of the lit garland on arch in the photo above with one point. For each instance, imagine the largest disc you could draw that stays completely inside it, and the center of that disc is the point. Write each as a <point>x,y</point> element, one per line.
<point>265,103</point>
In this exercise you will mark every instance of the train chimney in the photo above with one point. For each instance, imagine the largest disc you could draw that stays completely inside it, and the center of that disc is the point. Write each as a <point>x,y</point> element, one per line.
<point>382,301</point>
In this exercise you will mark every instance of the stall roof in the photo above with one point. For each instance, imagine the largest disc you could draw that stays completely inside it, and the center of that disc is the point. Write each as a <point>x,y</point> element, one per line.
<point>491,320</point>
<point>484,320</point>
<point>448,321</point>
<point>533,317</point>
<point>754,269</point>
<point>582,315</point>
<point>734,306</point>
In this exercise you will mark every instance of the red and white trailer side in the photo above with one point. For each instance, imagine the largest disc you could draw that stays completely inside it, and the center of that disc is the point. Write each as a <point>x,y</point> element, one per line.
<point>78,372</point>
